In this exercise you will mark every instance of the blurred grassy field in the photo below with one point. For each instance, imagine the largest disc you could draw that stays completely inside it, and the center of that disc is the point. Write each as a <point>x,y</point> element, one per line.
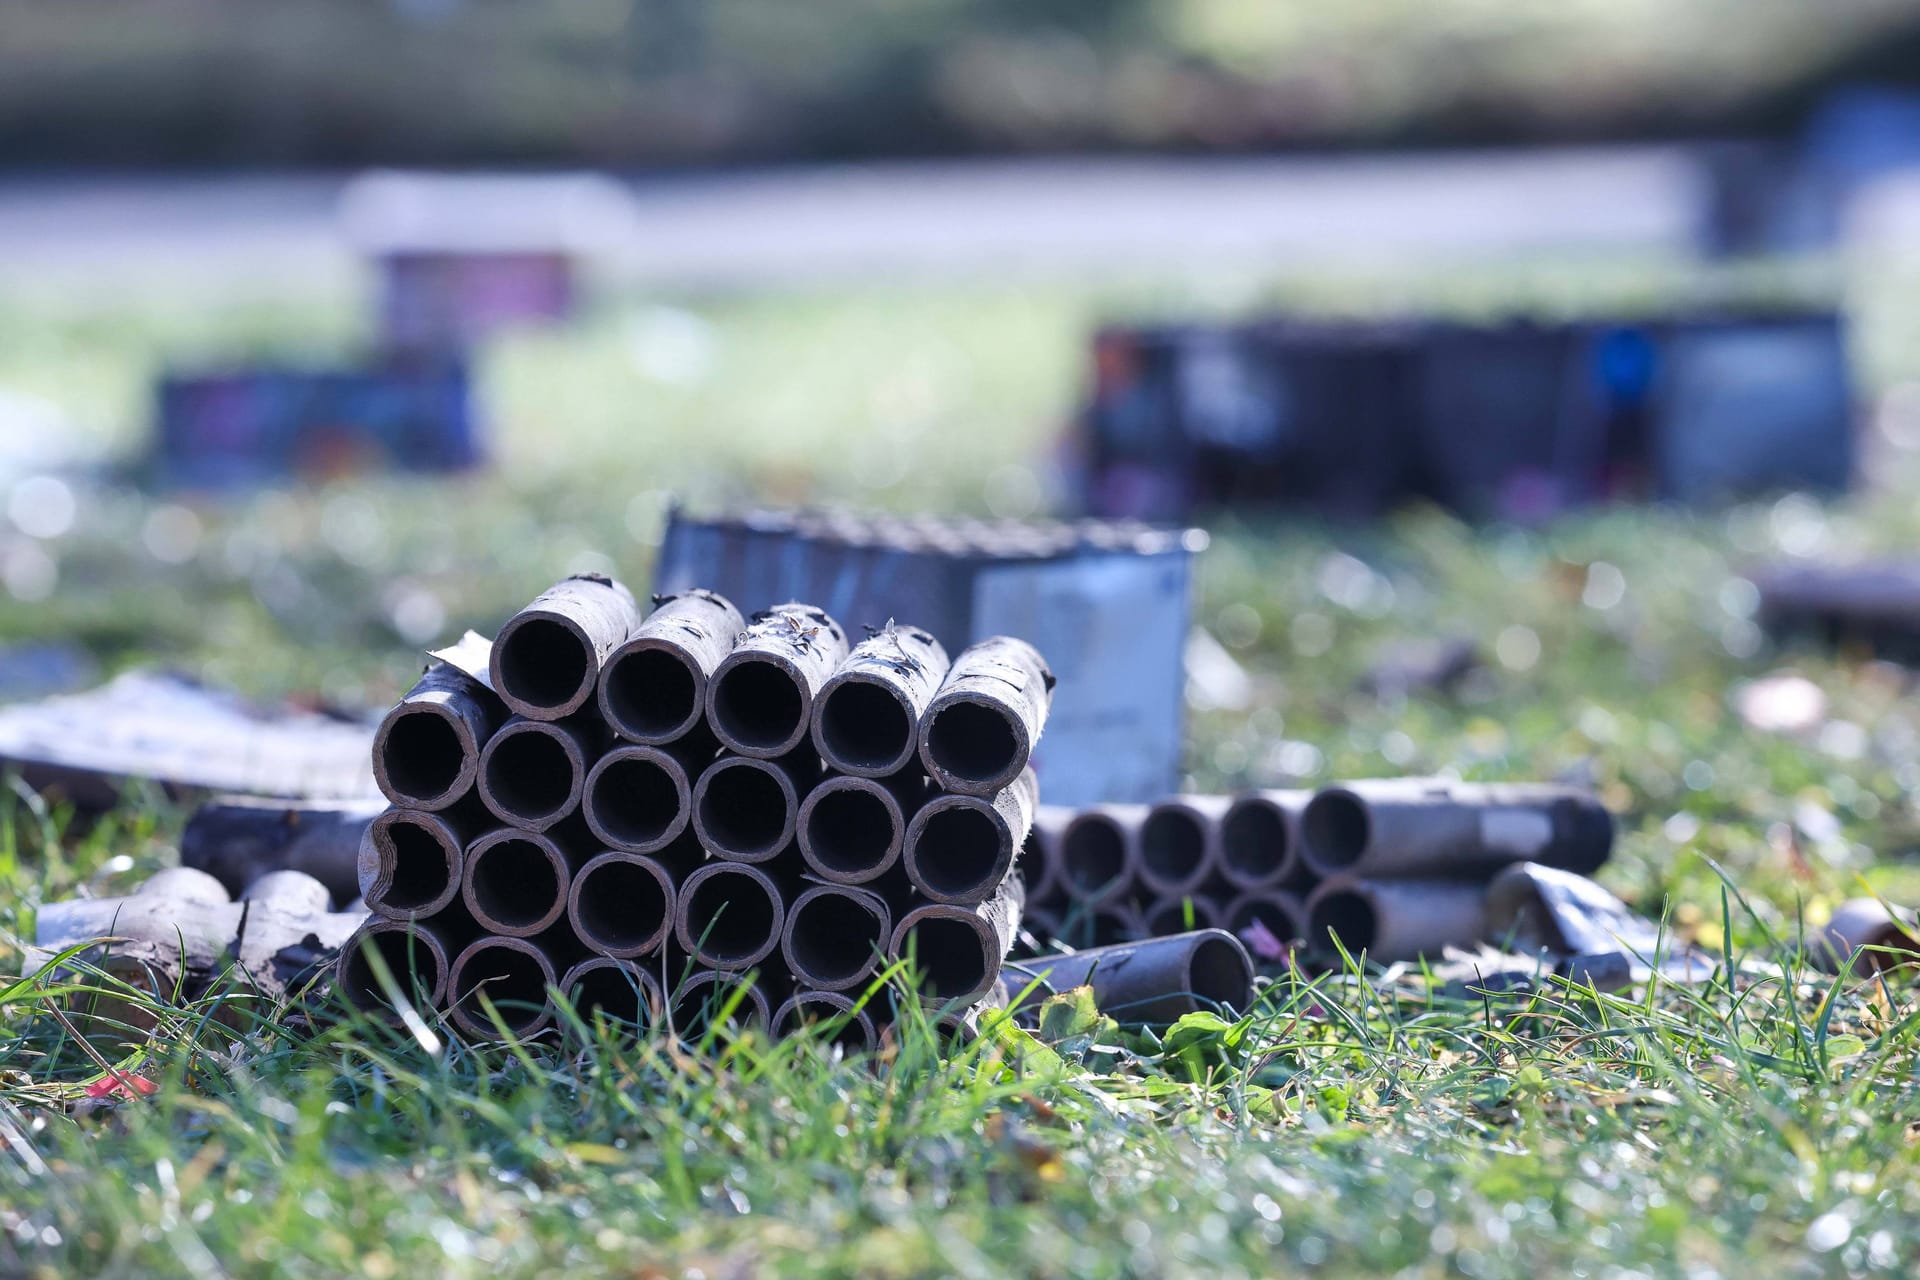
<point>1765,1124</point>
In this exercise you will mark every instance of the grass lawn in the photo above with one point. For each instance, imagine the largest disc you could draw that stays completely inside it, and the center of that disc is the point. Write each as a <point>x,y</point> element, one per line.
<point>1766,1123</point>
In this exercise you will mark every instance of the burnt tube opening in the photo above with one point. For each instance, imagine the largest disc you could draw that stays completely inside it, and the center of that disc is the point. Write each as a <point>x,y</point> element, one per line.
<point>731,918</point>
<point>958,850</point>
<point>1336,828</point>
<point>972,742</point>
<point>1253,840</point>
<point>620,905</point>
<point>635,800</point>
<point>1347,916</point>
<point>1218,973</point>
<point>613,990</point>
<point>512,979</point>
<point>758,706</point>
<point>949,955</point>
<point>835,939</point>
<point>1093,854</point>
<point>544,664</point>
<point>422,864</point>
<point>1173,844</point>
<point>408,958</point>
<point>515,884</point>
<point>651,693</point>
<point>743,810</point>
<point>529,774</point>
<point>849,830</point>
<point>1271,916</point>
<point>863,725</point>
<point>849,1036</point>
<point>701,1000</point>
<point>421,755</point>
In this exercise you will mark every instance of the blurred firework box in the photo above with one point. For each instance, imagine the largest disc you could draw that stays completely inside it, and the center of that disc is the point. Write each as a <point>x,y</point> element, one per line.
<point>1108,602</point>
<point>1508,421</point>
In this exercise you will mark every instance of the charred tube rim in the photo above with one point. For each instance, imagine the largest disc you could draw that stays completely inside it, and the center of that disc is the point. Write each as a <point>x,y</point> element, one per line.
<point>958,849</point>
<point>745,809</point>
<point>637,798</point>
<point>701,996</point>
<point>514,973</point>
<point>532,773</point>
<point>1256,847</point>
<point>835,938</point>
<point>759,703</point>
<point>417,864</point>
<point>730,915</point>
<point>851,830</point>
<point>972,744</point>
<point>544,665</point>
<point>652,691</point>
<point>621,905</point>
<point>955,952</point>
<point>409,950</point>
<point>619,988</point>
<point>1093,861</point>
<point>1343,910</point>
<point>1173,848</point>
<point>864,726</point>
<point>1335,830</point>
<point>1282,914</point>
<point>426,754</point>
<point>515,883</point>
<point>856,1034</point>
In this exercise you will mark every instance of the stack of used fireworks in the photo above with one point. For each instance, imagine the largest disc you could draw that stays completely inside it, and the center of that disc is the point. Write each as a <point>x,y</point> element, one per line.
<point>1395,868</point>
<point>692,814</point>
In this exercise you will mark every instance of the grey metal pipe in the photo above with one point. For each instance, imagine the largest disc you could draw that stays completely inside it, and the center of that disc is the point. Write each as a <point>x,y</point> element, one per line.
<point>532,772</point>
<point>416,954</point>
<point>237,839</point>
<point>959,848</point>
<point>957,951</point>
<point>411,860</point>
<point>1394,920</point>
<point>760,700</point>
<point>1156,982</point>
<point>851,830</point>
<point>866,721</point>
<point>1184,914</point>
<point>639,797</point>
<point>980,730</point>
<point>730,915</point>
<point>1431,827</point>
<point>515,882</point>
<point>514,973</point>
<point>1100,852</point>
<point>653,688</point>
<point>706,992</point>
<point>747,809</point>
<point>621,905</point>
<point>854,1032</point>
<point>1280,914</point>
<point>620,989</point>
<point>836,937</point>
<point>1180,844</point>
<point>426,752</point>
<point>546,660</point>
<point>1260,840</point>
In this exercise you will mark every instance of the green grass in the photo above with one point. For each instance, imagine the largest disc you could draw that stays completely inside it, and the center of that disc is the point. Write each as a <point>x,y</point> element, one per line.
<point>1762,1124</point>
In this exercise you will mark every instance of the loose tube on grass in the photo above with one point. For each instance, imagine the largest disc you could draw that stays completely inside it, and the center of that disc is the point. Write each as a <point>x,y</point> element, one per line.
<point>532,772</point>
<point>653,688</point>
<point>426,752</point>
<point>1404,827</point>
<point>856,1034</point>
<point>416,956</point>
<point>515,882</point>
<point>1260,840</point>
<point>866,721</point>
<point>959,848</point>
<point>748,809</point>
<point>760,700</point>
<point>621,904</point>
<point>851,830</point>
<point>514,973</point>
<point>981,728</point>
<point>546,660</point>
<point>236,838</point>
<point>1394,920</point>
<point>639,798</point>
<point>1179,844</point>
<point>729,915</point>
<point>956,952</point>
<point>836,937</point>
<point>619,989</point>
<point>1158,981</point>
<point>411,860</point>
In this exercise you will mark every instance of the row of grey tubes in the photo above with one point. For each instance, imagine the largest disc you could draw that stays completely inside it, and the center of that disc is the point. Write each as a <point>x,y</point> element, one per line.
<point>647,811</point>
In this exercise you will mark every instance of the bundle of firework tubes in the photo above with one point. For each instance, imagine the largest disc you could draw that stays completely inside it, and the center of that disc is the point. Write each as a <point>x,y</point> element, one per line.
<point>690,815</point>
<point>1395,868</point>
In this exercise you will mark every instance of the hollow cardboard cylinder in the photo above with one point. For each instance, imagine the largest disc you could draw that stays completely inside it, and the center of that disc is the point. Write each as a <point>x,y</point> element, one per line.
<point>1259,840</point>
<point>639,797</point>
<point>618,988</point>
<point>532,772</point>
<point>730,915</point>
<point>411,860</point>
<point>760,699</point>
<point>866,720</point>
<point>546,660</point>
<point>514,973</point>
<point>621,905</point>
<point>426,752</point>
<point>1864,937</point>
<point>958,951</point>
<point>836,937</point>
<point>1394,920</point>
<point>417,955</point>
<point>1158,981</point>
<point>856,1035</point>
<point>705,991</point>
<point>1180,844</point>
<point>979,732</point>
<point>852,830</point>
<point>1099,852</point>
<point>653,688</point>
<point>1415,827</point>
<point>1184,914</point>
<point>515,882</point>
<point>959,848</point>
<point>236,840</point>
<point>747,809</point>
